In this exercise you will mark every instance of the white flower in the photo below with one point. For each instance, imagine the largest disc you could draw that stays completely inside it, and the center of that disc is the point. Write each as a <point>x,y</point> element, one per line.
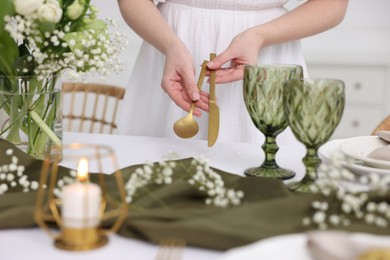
<point>371,206</point>
<point>334,220</point>
<point>50,12</point>
<point>34,185</point>
<point>369,218</point>
<point>10,177</point>
<point>382,207</point>
<point>27,7</point>
<point>306,221</point>
<point>3,188</point>
<point>74,10</point>
<point>319,217</point>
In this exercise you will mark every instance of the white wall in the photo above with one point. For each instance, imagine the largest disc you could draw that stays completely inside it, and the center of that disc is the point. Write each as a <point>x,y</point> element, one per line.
<point>110,9</point>
<point>365,31</point>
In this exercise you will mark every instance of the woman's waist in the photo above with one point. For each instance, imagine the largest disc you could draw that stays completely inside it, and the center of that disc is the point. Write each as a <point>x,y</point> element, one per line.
<point>234,5</point>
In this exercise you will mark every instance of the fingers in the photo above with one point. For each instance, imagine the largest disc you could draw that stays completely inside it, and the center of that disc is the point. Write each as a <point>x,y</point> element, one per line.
<point>174,90</point>
<point>201,104</point>
<point>227,75</point>
<point>237,74</point>
<point>178,94</point>
<point>220,60</point>
<point>190,85</point>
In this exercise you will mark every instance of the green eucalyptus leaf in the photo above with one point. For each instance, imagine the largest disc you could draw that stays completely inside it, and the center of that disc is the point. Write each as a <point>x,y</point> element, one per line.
<point>5,83</point>
<point>7,8</point>
<point>47,26</point>
<point>9,52</point>
<point>22,63</point>
<point>96,24</point>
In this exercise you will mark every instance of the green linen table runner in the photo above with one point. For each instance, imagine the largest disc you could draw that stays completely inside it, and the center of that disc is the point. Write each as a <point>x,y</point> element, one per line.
<point>268,209</point>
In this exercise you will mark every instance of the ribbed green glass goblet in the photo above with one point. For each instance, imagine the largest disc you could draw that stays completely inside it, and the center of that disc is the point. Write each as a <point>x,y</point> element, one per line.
<point>313,108</point>
<point>263,96</point>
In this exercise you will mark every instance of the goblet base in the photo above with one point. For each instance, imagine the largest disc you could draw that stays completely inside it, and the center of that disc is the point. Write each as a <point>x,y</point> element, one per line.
<point>270,172</point>
<point>303,186</point>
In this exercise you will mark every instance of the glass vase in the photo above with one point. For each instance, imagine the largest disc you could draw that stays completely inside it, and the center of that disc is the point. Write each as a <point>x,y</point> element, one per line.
<point>31,113</point>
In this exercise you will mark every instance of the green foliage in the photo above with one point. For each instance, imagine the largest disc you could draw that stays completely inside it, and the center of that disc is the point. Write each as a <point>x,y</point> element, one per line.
<point>22,62</point>
<point>9,52</point>
<point>8,48</point>
<point>7,8</point>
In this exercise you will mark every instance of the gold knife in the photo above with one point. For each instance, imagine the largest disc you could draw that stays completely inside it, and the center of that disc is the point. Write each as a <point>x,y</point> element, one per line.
<point>213,110</point>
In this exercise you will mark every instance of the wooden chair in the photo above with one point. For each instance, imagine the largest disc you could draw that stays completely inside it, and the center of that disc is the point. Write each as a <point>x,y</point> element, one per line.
<point>90,107</point>
<point>384,125</point>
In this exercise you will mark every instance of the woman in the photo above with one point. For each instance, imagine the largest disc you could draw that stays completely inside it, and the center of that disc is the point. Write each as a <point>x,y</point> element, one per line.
<point>180,34</point>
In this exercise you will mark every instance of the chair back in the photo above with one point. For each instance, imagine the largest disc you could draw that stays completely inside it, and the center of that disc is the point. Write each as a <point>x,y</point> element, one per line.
<point>91,107</point>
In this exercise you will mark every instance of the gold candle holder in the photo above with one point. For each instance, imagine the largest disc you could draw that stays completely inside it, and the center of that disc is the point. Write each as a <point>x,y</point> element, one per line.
<point>80,221</point>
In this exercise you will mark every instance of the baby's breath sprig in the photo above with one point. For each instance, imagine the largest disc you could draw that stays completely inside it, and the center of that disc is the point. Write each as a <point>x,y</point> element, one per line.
<point>205,179</point>
<point>351,196</point>
<point>65,180</point>
<point>159,173</point>
<point>12,175</point>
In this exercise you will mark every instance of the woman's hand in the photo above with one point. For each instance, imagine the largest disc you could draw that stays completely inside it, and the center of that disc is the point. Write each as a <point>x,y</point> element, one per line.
<point>179,80</point>
<point>243,49</point>
<point>310,18</point>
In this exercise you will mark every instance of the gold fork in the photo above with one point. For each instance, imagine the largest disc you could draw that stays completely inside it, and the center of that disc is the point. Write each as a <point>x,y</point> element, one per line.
<point>170,249</point>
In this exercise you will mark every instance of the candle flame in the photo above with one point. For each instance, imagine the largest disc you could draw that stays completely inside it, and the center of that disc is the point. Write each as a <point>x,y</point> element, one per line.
<point>82,170</point>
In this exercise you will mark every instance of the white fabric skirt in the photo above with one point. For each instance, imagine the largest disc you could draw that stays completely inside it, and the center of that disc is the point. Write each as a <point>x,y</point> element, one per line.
<point>205,26</point>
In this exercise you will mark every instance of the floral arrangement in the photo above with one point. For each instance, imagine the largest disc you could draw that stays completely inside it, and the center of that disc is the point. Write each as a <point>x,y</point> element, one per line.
<point>351,197</point>
<point>45,37</point>
<point>204,179</point>
<point>39,41</point>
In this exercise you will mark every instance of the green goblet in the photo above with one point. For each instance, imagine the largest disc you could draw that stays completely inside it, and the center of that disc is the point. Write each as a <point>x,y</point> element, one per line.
<point>263,97</point>
<point>313,108</point>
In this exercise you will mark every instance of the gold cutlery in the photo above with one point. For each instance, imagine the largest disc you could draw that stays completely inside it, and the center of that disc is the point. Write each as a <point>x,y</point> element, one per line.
<point>187,127</point>
<point>213,110</point>
<point>170,249</point>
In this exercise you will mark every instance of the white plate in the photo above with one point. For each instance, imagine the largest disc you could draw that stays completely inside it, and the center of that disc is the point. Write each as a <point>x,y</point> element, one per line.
<point>293,248</point>
<point>328,149</point>
<point>360,147</point>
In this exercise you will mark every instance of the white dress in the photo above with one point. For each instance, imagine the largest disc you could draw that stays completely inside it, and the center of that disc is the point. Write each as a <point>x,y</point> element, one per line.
<point>205,26</point>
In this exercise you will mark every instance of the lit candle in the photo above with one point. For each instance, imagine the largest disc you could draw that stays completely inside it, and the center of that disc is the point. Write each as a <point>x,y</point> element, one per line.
<point>81,200</point>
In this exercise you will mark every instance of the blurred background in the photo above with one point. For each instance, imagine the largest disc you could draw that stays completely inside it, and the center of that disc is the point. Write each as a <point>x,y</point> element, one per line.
<point>357,52</point>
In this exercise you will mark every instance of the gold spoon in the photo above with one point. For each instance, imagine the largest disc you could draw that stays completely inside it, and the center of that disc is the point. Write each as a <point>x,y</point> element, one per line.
<point>187,127</point>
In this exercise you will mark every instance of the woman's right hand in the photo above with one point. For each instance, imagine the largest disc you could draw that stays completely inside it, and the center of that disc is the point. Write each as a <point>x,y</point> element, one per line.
<point>179,80</point>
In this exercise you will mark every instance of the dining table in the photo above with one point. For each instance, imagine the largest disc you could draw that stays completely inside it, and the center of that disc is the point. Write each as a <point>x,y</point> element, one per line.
<point>231,157</point>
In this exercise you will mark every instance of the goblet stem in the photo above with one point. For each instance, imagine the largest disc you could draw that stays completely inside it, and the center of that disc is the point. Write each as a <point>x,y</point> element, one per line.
<point>311,162</point>
<point>270,168</point>
<point>270,149</point>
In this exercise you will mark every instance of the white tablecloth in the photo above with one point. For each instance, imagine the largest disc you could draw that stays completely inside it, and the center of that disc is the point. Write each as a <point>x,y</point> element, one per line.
<point>231,157</point>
